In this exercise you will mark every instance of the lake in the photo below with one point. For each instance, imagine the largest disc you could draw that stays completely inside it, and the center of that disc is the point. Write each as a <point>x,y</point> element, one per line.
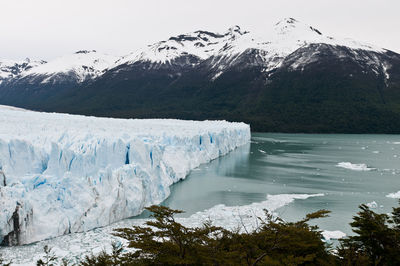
<point>299,163</point>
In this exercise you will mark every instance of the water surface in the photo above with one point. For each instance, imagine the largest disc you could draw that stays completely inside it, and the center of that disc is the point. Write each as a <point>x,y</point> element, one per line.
<point>298,163</point>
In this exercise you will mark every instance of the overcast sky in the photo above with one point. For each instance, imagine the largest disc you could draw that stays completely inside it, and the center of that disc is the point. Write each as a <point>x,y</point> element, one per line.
<point>44,29</point>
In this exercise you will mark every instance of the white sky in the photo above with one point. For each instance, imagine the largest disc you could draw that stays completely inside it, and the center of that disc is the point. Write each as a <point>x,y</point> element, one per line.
<point>44,29</point>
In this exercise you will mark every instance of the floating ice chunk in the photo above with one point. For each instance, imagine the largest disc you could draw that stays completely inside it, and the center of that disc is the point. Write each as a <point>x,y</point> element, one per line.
<point>328,235</point>
<point>355,167</point>
<point>372,204</point>
<point>395,195</point>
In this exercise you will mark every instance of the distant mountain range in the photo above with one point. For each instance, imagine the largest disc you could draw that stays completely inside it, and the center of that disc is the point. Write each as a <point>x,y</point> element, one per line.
<point>294,79</point>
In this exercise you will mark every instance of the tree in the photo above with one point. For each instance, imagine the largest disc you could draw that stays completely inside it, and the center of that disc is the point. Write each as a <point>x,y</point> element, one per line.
<point>377,239</point>
<point>49,258</point>
<point>276,242</point>
<point>170,242</point>
<point>115,258</point>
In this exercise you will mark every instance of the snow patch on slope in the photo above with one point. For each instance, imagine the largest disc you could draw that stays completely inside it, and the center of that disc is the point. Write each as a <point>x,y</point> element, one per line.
<point>283,39</point>
<point>83,64</point>
<point>199,44</point>
<point>10,69</point>
<point>65,173</point>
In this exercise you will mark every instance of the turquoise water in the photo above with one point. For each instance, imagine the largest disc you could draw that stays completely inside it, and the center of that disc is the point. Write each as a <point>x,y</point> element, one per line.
<point>298,163</point>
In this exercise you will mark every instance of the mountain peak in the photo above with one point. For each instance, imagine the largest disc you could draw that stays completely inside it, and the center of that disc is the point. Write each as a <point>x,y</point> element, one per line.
<point>287,21</point>
<point>236,30</point>
<point>85,51</point>
<point>288,25</point>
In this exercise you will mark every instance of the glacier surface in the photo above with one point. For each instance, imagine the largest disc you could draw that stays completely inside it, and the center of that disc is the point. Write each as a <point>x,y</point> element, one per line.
<point>61,173</point>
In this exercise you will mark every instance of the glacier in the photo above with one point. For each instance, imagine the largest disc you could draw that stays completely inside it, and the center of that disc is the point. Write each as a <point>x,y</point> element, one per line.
<point>62,173</point>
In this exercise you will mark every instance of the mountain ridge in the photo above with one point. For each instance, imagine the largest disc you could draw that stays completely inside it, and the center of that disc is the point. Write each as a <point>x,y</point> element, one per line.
<point>234,75</point>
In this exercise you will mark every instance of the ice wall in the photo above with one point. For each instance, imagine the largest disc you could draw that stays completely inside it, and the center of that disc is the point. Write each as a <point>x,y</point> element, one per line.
<point>63,173</point>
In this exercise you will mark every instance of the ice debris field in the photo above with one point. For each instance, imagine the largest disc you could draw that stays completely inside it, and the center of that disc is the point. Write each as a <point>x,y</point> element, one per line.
<point>61,173</point>
<point>74,247</point>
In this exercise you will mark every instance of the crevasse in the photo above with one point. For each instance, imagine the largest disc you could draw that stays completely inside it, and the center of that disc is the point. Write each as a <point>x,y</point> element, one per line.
<point>63,173</point>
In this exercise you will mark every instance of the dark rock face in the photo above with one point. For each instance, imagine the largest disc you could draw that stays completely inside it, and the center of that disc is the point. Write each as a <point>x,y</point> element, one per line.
<point>13,238</point>
<point>18,222</point>
<point>3,180</point>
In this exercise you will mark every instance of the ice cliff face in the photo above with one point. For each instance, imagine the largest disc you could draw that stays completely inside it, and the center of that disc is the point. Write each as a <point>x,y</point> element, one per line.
<point>61,173</point>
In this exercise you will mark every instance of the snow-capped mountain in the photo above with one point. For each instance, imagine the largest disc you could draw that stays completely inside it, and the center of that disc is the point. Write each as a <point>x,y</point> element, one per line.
<point>41,81</point>
<point>285,37</point>
<point>10,69</point>
<point>79,67</point>
<point>199,45</point>
<point>270,50</point>
<point>188,50</point>
<point>238,75</point>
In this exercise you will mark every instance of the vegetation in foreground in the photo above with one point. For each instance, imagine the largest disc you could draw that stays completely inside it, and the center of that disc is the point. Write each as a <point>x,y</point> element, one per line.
<point>164,241</point>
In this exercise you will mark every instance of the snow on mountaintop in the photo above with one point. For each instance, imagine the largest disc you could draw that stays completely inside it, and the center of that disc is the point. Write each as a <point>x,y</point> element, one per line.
<point>85,64</point>
<point>271,48</point>
<point>290,31</point>
<point>285,37</point>
<point>201,44</point>
<point>11,68</point>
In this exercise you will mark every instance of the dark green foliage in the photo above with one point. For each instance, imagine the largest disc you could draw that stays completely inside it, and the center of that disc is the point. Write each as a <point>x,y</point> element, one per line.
<point>167,242</point>
<point>115,258</point>
<point>277,242</point>
<point>49,258</point>
<point>274,242</point>
<point>377,239</point>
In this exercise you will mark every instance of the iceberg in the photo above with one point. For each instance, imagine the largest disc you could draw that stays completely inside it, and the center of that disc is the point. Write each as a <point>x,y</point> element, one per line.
<point>394,195</point>
<point>62,173</point>
<point>333,235</point>
<point>354,166</point>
